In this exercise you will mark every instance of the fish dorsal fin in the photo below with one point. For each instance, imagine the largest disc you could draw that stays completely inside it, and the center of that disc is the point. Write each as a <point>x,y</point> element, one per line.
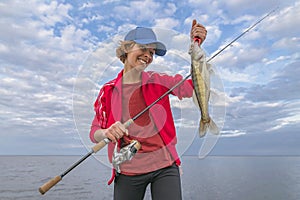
<point>210,69</point>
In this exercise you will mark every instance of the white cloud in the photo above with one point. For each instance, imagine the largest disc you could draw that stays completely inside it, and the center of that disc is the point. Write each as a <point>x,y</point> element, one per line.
<point>244,18</point>
<point>290,44</point>
<point>36,66</point>
<point>170,9</point>
<point>241,52</point>
<point>232,133</point>
<point>213,34</point>
<point>231,75</point>
<point>166,23</point>
<point>286,121</point>
<point>284,22</point>
<point>276,60</point>
<point>144,10</point>
<point>86,5</point>
<point>52,13</point>
<point>44,46</point>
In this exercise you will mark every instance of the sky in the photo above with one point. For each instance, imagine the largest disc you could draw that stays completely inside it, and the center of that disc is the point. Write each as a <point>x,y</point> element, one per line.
<point>56,55</point>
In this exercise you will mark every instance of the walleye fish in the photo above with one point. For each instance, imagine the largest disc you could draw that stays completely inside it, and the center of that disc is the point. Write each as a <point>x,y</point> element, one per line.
<point>200,71</point>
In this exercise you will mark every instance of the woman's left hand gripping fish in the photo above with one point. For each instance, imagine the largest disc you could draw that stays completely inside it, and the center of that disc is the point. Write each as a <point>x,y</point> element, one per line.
<point>201,81</point>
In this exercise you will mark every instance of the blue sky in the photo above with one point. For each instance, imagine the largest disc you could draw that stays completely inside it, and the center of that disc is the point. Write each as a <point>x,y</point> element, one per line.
<point>55,55</point>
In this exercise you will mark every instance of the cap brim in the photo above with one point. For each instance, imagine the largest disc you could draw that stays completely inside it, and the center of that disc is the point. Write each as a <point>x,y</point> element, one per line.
<point>160,47</point>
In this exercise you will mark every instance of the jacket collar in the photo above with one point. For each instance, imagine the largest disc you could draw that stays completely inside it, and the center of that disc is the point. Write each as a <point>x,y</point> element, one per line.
<point>118,80</point>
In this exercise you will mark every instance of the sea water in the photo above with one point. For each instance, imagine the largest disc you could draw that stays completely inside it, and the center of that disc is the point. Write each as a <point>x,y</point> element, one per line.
<point>211,178</point>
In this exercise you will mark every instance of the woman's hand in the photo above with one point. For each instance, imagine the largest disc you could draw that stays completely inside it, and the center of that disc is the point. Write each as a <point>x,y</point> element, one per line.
<point>116,131</point>
<point>198,31</point>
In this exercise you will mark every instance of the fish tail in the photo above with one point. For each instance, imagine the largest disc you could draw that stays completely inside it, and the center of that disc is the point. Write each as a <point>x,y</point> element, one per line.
<point>203,127</point>
<point>208,126</point>
<point>213,128</point>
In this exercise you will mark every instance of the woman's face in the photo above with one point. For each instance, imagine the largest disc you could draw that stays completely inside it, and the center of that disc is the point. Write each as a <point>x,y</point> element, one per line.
<point>140,56</point>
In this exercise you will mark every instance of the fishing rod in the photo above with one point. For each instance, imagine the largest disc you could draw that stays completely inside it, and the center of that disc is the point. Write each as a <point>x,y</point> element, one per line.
<point>48,185</point>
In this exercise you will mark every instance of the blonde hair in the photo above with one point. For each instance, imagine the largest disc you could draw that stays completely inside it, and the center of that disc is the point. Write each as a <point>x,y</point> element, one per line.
<point>123,49</point>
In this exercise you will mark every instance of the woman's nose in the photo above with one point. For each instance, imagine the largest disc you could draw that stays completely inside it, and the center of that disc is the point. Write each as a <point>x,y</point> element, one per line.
<point>148,53</point>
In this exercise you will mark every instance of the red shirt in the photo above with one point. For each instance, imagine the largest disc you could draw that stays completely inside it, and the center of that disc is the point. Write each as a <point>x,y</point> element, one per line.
<point>153,154</point>
<point>108,106</point>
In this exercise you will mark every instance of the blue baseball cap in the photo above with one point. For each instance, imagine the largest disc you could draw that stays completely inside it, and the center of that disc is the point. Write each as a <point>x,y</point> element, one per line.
<point>142,35</point>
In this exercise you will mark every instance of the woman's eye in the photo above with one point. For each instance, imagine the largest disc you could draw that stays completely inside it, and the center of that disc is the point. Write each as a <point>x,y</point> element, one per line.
<point>143,47</point>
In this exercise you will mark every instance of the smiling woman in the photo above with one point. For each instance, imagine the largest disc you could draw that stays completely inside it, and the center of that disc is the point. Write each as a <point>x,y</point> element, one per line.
<point>127,95</point>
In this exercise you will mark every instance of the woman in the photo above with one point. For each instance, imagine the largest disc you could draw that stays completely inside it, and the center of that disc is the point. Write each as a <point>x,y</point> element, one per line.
<point>157,161</point>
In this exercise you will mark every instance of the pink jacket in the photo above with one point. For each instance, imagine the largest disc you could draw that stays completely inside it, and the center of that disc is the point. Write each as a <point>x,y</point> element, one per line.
<point>108,106</point>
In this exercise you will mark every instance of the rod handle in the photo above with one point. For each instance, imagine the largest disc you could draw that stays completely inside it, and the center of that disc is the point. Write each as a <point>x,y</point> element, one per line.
<point>47,186</point>
<point>128,123</point>
<point>100,145</point>
<point>105,141</point>
<point>197,39</point>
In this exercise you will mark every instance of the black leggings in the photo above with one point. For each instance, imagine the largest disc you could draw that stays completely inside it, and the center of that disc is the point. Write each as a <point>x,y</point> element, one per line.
<point>165,184</point>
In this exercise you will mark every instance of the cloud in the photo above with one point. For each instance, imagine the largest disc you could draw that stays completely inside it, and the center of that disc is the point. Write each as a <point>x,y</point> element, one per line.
<point>269,107</point>
<point>232,133</point>
<point>55,56</point>
<point>87,5</point>
<point>37,65</point>
<point>166,23</point>
<point>237,8</point>
<point>284,22</point>
<point>143,9</point>
<point>282,87</point>
<point>52,13</point>
<point>290,44</point>
<point>231,75</point>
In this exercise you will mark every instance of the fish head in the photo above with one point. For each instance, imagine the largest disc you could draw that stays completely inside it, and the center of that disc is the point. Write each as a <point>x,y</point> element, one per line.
<point>196,52</point>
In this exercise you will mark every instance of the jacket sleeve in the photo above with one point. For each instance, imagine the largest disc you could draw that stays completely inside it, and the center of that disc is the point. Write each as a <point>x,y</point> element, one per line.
<point>183,90</point>
<point>100,118</point>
